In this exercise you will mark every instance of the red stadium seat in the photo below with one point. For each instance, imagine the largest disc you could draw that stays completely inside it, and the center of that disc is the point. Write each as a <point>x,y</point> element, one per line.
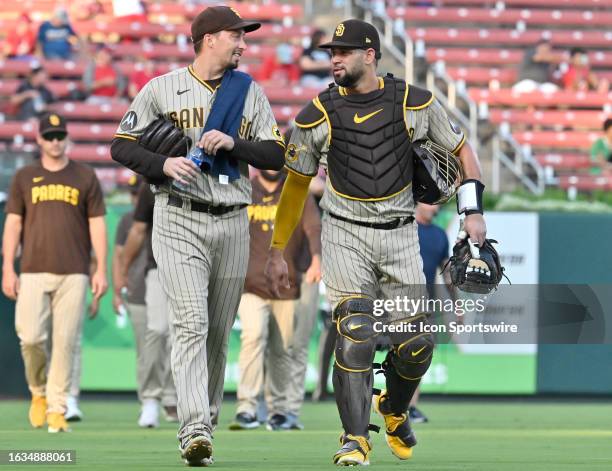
<point>478,37</point>
<point>269,12</point>
<point>552,139</point>
<point>77,131</point>
<point>140,30</point>
<point>574,118</point>
<point>564,161</point>
<point>506,97</point>
<point>508,16</point>
<point>586,182</point>
<point>508,75</point>
<point>528,3</point>
<point>465,56</point>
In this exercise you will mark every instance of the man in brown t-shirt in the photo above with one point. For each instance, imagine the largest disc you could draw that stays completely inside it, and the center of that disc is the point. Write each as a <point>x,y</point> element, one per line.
<point>56,212</point>
<point>267,321</point>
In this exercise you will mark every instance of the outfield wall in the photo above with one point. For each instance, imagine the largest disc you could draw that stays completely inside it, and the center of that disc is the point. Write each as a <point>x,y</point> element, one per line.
<point>544,248</point>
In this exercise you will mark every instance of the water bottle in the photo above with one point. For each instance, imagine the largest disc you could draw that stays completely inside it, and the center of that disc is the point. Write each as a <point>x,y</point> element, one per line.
<point>196,156</point>
<point>122,315</point>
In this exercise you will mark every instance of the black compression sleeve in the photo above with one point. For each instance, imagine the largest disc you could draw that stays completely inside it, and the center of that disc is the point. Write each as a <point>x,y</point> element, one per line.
<point>265,155</point>
<point>140,160</point>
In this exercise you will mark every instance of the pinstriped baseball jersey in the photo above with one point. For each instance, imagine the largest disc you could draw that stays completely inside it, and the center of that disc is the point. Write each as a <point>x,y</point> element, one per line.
<point>186,99</point>
<point>310,145</point>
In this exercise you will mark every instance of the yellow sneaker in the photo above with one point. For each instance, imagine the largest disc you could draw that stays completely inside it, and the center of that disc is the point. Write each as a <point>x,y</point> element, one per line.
<point>398,434</point>
<point>38,411</point>
<point>355,451</point>
<point>57,423</point>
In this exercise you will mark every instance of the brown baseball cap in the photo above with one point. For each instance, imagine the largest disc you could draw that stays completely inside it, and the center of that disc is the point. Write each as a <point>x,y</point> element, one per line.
<point>50,123</point>
<point>221,18</point>
<point>355,34</point>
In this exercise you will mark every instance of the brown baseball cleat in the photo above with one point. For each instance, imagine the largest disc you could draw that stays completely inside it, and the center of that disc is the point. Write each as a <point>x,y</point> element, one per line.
<point>197,450</point>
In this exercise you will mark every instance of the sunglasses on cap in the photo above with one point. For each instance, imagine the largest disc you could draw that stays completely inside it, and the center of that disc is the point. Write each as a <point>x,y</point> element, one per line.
<point>51,136</point>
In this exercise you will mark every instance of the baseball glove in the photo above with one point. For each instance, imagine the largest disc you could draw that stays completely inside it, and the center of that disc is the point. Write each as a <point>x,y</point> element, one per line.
<point>475,269</point>
<point>163,137</point>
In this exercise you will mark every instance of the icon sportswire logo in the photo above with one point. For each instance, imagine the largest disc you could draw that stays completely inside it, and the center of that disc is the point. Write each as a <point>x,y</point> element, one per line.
<point>361,119</point>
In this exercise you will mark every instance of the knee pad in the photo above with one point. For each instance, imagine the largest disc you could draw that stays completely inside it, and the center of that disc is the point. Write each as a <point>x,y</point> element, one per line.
<point>356,342</point>
<point>412,358</point>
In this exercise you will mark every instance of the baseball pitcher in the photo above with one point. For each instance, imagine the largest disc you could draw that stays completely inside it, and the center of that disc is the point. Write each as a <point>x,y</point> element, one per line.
<point>200,226</point>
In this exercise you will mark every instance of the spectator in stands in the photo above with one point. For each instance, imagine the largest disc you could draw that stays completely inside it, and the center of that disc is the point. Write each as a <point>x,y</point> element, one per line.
<point>579,76</point>
<point>56,38</point>
<point>536,70</point>
<point>281,65</point>
<point>20,41</point>
<point>315,63</point>
<point>32,96</point>
<point>102,80</point>
<point>143,72</point>
<point>601,151</point>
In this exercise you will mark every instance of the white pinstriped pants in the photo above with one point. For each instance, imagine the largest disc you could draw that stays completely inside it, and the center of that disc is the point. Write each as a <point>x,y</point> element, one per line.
<point>202,262</point>
<point>375,263</point>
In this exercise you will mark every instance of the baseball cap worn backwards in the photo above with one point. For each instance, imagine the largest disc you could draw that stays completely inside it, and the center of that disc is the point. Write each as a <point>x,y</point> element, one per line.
<point>52,123</point>
<point>355,34</point>
<point>221,18</point>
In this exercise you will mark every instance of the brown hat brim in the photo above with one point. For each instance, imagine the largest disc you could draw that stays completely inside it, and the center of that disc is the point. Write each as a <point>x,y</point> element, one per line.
<point>54,129</point>
<point>247,26</point>
<point>341,44</point>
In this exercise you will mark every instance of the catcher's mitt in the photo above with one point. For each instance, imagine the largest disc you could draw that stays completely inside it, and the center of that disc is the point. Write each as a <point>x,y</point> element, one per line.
<point>475,269</point>
<point>163,137</point>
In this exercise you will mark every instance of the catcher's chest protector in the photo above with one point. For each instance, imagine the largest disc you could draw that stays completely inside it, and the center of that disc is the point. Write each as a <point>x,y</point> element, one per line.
<point>370,153</point>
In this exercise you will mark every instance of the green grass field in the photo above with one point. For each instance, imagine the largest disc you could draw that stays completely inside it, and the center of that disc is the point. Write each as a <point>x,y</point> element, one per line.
<point>487,436</point>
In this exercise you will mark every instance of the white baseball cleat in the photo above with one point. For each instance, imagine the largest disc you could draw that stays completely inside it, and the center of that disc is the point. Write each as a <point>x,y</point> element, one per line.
<point>73,413</point>
<point>149,414</point>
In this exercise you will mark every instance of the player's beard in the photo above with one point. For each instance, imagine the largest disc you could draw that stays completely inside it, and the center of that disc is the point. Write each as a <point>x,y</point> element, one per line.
<point>349,79</point>
<point>233,64</point>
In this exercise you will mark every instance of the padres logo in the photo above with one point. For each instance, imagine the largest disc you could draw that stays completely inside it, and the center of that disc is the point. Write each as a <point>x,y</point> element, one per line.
<point>54,120</point>
<point>236,11</point>
<point>340,30</point>
<point>291,155</point>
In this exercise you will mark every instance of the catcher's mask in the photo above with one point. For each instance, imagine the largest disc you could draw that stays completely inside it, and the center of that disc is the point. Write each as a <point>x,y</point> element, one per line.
<point>437,173</point>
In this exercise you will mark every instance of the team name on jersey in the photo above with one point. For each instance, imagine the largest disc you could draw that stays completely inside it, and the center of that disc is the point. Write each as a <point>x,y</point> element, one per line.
<point>188,118</point>
<point>64,193</point>
<point>262,212</point>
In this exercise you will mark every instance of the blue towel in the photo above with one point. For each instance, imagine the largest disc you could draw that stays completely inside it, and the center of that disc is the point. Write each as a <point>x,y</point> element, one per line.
<point>226,116</point>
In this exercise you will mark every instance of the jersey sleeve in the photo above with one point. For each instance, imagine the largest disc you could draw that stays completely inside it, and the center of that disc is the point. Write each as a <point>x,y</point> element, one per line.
<point>143,110</point>
<point>306,147</point>
<point>123,228</point>
<point>16,202</point>
<point>95,198</point>
<point>144,205</point>
<point>264,127</point>
<point>442,130</point>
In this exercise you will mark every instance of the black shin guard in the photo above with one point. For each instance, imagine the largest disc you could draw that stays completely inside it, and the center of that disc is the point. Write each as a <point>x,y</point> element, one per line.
<point>404,367</point>
<point>399,390</point>
<point>353,393</point>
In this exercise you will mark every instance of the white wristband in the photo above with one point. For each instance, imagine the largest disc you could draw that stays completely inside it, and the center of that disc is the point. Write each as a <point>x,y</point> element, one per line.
<point>469,197</point>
